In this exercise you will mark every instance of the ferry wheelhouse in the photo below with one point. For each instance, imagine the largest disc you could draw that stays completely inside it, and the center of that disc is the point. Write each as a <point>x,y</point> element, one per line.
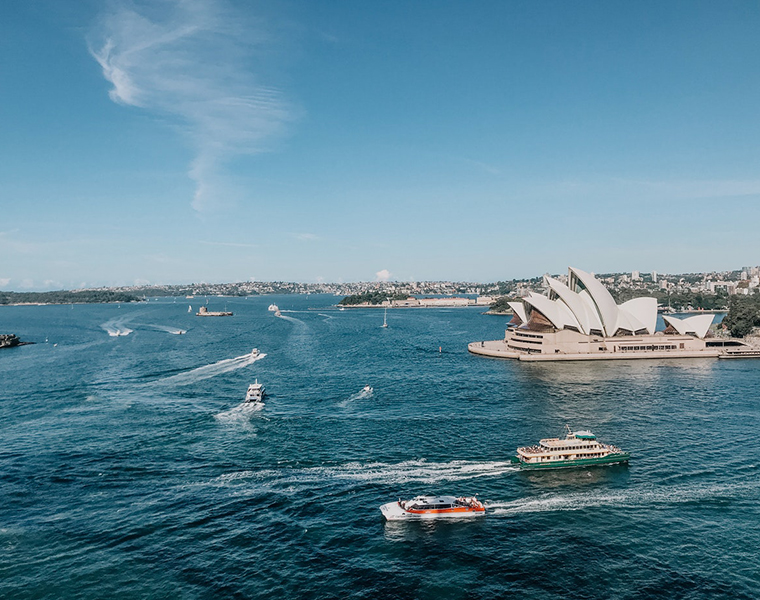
<point>433,507</point>
<point>577,449</point>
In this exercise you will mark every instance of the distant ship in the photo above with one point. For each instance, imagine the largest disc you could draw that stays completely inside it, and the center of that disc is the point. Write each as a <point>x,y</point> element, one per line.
<point>578,449</point>
<point>205,312</point>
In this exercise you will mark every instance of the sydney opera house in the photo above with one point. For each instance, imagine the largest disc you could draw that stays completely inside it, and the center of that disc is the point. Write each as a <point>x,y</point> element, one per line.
<point>582,321</point>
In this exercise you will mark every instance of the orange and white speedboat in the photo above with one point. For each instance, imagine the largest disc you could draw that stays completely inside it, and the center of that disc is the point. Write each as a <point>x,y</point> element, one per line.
<point>433,507</point>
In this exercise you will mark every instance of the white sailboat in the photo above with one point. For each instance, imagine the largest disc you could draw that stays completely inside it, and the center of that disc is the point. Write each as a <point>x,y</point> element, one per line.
<point>385,318</point>
<point>190,308</point>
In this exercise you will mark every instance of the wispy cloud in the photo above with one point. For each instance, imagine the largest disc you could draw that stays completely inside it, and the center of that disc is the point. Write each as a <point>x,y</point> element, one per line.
<point>383,275</point>
<point>192,61</point>
<point>230,244</point>
<point>306,237</point>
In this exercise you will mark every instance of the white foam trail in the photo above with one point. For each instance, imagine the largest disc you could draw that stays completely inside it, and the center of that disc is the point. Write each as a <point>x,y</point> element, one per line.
<point>239,415</point>
<point>358,396</point>
<point>116,327</point>
<point>634,498</point>
<point>223,366</point>
<point>173,330</point>
<point>413,471</point>
<point>291,319</point>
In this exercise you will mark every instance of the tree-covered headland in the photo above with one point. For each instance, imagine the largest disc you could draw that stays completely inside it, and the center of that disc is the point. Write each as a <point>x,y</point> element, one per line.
<point>743,315</point>
<point>500,305</point>
<point>64,297</point>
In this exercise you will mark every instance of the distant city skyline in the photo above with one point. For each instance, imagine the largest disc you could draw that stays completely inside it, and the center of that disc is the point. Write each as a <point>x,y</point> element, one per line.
<point>220,141</point>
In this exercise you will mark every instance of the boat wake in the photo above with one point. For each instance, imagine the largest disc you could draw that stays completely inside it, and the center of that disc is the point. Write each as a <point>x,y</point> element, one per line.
<point>116,327</point>
<point>413,471</point>
<point>218,368</point>
<point>172,330</point>
<point>358,396</point>
<point>287,318</point>
<point>630,498</point>
<point>240,415</point>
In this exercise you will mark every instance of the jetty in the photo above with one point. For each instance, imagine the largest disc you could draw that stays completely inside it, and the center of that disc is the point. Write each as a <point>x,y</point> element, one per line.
<point>205,312</point>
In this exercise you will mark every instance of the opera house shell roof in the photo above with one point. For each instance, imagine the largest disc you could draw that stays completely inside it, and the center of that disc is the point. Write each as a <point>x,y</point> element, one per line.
<point>586,306</point>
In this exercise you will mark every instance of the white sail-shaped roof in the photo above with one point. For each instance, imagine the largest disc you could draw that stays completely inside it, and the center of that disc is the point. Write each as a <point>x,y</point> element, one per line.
<point>603,300</point>
<point>644,310</point>
<point>584,312</point>
<point>557,312</point>
<point>698,325</point>
<point>519,310</point>
<point>628,323</point>
<point>592,309</point>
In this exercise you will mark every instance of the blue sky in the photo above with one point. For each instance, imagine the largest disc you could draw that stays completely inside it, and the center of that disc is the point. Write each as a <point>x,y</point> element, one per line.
<point>180,141</point>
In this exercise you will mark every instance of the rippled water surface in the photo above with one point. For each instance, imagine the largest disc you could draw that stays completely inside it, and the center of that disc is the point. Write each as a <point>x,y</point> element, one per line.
<point>130,467</point>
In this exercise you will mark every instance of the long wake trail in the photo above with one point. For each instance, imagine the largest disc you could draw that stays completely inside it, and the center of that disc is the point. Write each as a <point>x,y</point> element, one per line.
<point>355,473</point>
<point>218,368</point>
<point>167,329</point>
<point>627,498</point>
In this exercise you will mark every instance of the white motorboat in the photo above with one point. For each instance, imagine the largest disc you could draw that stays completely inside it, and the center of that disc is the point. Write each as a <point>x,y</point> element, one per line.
<point>367,389</point>
<point>255,392</point>
<point>273,308</point>
<point>255,352</point>
<point>433,507</point>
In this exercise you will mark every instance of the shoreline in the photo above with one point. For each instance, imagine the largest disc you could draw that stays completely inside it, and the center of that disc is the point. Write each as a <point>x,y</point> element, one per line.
<point>499,349</point>
<point>67,303</point>
<point>404,307</point>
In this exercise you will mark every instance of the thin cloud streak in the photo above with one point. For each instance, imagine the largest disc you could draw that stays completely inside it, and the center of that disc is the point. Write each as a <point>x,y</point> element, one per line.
<point>306,237</point>
<point>230,244</point>
<point>188,60</point>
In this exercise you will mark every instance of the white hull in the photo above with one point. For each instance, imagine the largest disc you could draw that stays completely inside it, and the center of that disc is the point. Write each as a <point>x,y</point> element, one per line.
<point>393,512</point>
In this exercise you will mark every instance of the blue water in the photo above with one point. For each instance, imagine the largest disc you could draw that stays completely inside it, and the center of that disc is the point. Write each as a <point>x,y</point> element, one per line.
<point>129,468</point>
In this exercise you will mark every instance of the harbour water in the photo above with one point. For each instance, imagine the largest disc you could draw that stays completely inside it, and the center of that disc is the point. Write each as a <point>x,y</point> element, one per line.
<point>131,469</point>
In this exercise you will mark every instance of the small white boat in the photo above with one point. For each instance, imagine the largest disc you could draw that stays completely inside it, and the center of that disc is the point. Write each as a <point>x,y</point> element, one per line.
<point>255,392</point>
<point>190,308</point>
<point>273,308</point>
<point>255,352</point>
<point>367,389</point>
<point>385,318</point>
<point>433,507</point>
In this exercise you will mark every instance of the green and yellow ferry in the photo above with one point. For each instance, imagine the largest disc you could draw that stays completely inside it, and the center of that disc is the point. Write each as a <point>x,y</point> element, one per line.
<point>578,449</point>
